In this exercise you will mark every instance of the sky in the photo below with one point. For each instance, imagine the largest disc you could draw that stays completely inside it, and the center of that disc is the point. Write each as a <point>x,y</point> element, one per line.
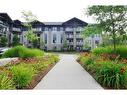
<point>53,10</point>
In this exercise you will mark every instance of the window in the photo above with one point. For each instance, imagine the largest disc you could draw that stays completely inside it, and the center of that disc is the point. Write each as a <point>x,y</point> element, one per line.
<point>45,38</point>
<point>54,38</point>
<point>50,29</point>
<point>58,28</point>
<point>61,28</point>
<point>46,28</point>
<point>61,38</point>
<point>54,28</point>
<point>96,42</point>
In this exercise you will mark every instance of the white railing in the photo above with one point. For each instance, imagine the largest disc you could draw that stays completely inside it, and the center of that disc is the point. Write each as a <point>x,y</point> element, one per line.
<point>16,29</point>
<point>70,43</point>
<point>79,29</point>
<point>69,36</point>
<point>78,36</point>
<point>69,29</point>
<point>79,43</point>
<point>37,29</point>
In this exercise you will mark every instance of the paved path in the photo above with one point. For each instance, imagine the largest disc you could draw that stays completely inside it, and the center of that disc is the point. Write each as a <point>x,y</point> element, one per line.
<point>6,60</point>
<point>68,74</point>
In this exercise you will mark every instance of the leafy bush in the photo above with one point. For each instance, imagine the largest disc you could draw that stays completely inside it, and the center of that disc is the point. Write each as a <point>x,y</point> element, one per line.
<point>112,75</point>
<point>16,40</point>
<point>3,41</point>
<point>23,52</point>
<point>102,50</point>
<point>5,82</point>
<point>120,50</point>
<point>22,75</point>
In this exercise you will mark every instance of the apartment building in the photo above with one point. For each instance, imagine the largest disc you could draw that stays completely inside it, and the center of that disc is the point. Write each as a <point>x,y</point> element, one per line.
<point>51,35</point>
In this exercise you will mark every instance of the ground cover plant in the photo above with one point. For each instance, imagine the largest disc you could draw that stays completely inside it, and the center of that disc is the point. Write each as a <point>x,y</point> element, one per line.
<point>107,67</point>
<point>22,52</point>
<point>26,71</point>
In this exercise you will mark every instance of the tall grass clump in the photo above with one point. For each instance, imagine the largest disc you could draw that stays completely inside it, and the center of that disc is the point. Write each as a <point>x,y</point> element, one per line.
<point>21,75</point>
<point>112,75</point>
<point>22,52</point>
<point>5,82</point>
<point>120,50</point>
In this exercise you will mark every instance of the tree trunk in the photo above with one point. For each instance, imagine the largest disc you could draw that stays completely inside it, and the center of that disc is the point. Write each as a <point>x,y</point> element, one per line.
<point>114,41</point>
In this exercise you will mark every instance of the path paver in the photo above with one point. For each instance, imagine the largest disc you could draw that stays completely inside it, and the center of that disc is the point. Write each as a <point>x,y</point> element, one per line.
<point>68,74</point>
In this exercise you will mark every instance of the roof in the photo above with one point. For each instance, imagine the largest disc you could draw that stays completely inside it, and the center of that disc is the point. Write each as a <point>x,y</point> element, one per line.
<point>36,22</point>
<point>74,19</point>
<point>53,23</point>
<point>5,16</point>
<point>18,22</point>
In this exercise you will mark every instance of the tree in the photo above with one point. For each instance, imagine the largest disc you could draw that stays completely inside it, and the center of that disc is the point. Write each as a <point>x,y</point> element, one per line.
<point>90,31</point>
<point>112,19</point>
<point>65,45</point>
<point>29,18</point>
<point>16,40</point>
<point>3,41</point>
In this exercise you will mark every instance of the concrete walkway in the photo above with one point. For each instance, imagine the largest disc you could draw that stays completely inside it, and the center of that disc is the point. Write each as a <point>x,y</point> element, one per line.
<point>68,74</point>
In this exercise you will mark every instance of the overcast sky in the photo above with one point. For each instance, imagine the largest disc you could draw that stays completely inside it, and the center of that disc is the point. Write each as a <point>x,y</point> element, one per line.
<point>52,10</point>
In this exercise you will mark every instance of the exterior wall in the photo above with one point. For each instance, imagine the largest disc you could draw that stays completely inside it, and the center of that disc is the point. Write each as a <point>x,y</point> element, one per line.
<point>4,30</point>
<point>71,31</point>
<point>50,45</point>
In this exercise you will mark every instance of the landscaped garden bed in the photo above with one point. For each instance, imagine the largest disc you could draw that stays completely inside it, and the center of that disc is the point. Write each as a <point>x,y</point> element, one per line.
<point>26,72</point>
<point>109,68</point>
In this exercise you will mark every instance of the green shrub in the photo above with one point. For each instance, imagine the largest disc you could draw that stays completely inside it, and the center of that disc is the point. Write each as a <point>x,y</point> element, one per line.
<point>102,50</point>
<point>120,50</point>
<point>22,75</point>
<point>23,52</point>
<point>5,82</point>
<point>112,75</point>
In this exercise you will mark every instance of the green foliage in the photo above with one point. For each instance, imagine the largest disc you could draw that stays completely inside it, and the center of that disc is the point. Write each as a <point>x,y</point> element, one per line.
<point>3,41</point>
<point>112,19</point>
<point>16,40</point>
<point>5,82</point>
<point>102,50</point>
<point>65,45</point>
<point>29,18</point>
<point>120,50</point>
<point>22,75</point>
<point>110,75</point>
<point>23,52</point>
<point>35,43</point>
<point>91,30</point>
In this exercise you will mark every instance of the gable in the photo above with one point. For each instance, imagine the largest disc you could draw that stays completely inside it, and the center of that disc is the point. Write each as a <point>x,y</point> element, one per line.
<point>75,22</point>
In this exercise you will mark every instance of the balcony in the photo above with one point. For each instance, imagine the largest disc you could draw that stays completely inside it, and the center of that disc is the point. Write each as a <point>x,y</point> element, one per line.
<point>79,43</point>
<point>69,36</point>
<point>16,29</point>
<point>79,29</point>
<point>69,29</point>
<point>70,43</point>
<point>78,36</point>
<point>37,29</point>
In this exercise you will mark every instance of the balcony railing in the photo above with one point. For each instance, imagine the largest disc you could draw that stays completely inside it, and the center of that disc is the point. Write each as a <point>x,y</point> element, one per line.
<point>79,29</point>
<point>69,36</point>
<point>78,36</point>
<point>79,43</point>
<point>69,29</point>
<point>70,43</point>
<point>37,29</point>
<point>16,29</point>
